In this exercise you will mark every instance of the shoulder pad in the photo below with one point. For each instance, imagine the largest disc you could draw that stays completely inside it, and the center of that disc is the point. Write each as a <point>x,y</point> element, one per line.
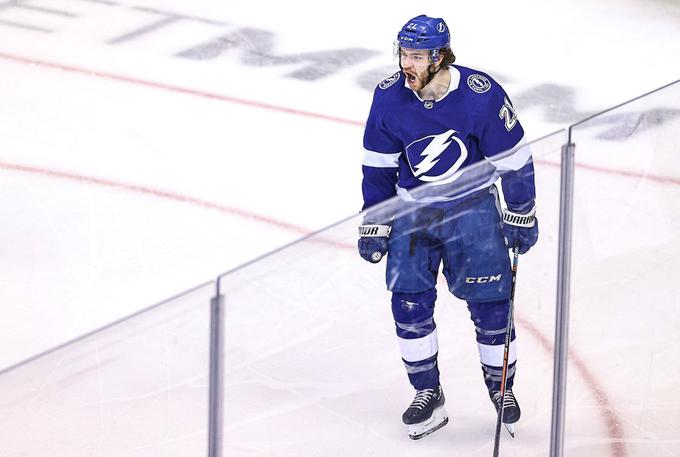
<point>479,83</point>
<point>387,82</point>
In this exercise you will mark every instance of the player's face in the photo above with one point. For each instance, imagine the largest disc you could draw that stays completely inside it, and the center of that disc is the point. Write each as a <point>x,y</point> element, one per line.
<point>415,64</point>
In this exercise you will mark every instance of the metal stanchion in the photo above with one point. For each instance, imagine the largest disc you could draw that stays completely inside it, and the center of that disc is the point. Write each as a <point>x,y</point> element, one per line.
<point>562,312</point>
<point>216,389</point>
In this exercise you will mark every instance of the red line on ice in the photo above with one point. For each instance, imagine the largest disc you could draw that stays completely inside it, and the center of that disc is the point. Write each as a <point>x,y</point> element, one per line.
<point>177,89</point>
<point>624,173</point>
<point>267,106</point>
<point>611,418</point>
<point>165,195</point>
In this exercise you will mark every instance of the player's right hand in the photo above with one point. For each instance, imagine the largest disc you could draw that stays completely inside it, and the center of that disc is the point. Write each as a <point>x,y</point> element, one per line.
<point>373,249</point>
<point>373,242</point>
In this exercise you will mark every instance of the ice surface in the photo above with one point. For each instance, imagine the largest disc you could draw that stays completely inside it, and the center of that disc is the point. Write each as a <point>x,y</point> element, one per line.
<point>133,167</point>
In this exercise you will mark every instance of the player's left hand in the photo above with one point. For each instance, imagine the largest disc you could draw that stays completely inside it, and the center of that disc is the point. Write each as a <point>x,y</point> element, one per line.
<point>520,230</point>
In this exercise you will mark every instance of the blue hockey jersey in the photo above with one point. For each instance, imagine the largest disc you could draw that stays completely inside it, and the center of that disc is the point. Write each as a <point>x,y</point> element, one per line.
<point>439,151</point>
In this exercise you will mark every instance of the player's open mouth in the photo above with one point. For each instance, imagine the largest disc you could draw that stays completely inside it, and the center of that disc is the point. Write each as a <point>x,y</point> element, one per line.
<point>410,78</point>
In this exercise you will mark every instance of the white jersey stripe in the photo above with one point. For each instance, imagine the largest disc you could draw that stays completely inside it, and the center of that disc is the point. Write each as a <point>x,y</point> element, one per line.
<point>381,160</point>
<point>406,196</point>
<point>512,159</point>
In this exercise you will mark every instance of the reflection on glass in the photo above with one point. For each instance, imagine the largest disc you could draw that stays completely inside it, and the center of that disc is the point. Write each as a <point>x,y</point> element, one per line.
<point>137,388</point>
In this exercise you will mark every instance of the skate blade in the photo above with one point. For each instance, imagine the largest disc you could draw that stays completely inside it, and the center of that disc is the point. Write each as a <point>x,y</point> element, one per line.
<point>438,419</point>
<point>511,429</point>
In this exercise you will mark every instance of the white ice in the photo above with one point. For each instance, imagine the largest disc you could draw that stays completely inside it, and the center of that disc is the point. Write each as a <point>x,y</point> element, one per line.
<point>129,174</point>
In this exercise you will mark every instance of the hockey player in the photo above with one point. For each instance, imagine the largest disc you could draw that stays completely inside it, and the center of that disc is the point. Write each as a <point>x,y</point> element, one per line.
<point>439,136</point>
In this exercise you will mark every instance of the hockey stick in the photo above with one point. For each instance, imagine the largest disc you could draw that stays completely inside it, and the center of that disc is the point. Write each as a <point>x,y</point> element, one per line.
<point>506,352</point>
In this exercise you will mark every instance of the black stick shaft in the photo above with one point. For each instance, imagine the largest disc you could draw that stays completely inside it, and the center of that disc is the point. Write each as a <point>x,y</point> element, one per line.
<point>506,351</point>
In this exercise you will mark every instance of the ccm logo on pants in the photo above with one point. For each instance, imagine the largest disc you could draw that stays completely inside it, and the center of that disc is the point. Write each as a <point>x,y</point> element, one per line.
<point>483,279</point>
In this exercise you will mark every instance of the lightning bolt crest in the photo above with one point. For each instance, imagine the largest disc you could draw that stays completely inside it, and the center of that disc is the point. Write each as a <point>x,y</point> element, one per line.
<point>432,152</point>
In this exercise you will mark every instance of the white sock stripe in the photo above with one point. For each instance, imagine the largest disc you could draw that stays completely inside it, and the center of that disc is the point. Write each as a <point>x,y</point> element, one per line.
<point>494,372</point>
<point>417,349</point>
<point>493,354</point>
<point>481,331</point>
<point>415,328</point>
<point>413,370</point>
<point>497,375</point>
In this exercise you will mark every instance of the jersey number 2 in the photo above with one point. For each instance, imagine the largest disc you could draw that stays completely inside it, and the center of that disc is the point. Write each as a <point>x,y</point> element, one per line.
<point>507,113</point>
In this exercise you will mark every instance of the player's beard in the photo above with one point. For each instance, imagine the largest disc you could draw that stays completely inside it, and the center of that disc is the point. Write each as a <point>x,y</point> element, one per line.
<point>416,80</point>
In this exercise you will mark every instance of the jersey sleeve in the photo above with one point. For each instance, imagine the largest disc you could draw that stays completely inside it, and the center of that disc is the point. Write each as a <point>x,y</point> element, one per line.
<point>503,144</point>
<point>381,159</point>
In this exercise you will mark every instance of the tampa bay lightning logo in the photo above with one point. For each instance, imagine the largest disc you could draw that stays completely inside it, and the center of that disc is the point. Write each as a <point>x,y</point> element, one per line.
<point>387,82</point>
<point>437,158</point>
<point>479,83</point>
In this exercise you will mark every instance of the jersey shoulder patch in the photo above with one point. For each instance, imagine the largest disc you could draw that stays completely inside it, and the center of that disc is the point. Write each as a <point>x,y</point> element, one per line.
<point>478,83</point>
<point>387,82</point>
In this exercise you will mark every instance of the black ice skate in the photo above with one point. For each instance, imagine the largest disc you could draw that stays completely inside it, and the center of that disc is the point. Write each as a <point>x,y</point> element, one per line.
<point>511,411</point>
<point>426,413</point>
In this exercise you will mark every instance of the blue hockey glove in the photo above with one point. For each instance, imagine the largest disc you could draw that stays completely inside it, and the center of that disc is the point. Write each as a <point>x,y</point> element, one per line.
<point>520,230</point>
<point>373,242</point>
